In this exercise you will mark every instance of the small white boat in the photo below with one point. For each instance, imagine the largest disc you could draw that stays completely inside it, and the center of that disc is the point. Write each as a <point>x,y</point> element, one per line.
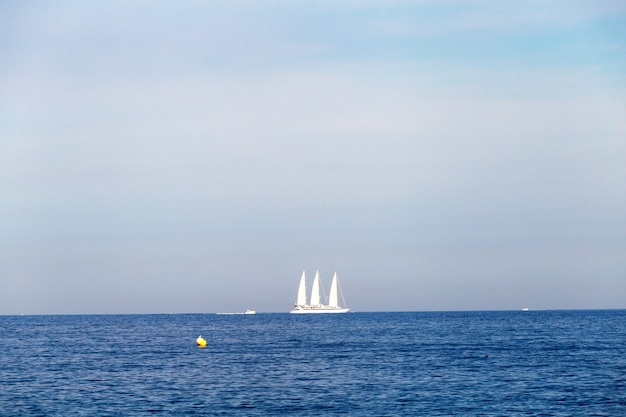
<point>245,312</point>
<point>315,305</point>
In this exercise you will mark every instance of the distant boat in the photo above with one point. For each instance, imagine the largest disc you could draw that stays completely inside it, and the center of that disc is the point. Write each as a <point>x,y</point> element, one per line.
<point>525,309</point>
<point>245,312</point>
<point>315,306</point>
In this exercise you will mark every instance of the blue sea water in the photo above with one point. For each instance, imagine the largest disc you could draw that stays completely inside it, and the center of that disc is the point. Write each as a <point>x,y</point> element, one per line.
<point>541,363</point>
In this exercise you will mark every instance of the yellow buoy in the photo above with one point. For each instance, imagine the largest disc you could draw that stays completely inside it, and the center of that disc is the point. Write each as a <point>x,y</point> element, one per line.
<point>200,342</point>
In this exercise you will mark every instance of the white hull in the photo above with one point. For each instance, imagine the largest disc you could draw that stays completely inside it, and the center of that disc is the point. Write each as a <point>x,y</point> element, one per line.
<point>320,310</point>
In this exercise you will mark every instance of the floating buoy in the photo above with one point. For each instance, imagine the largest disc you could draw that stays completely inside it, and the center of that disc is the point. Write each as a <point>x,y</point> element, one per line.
<point>200,342</point>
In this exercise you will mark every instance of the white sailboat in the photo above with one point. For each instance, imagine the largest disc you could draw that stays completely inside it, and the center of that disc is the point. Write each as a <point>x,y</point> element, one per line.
<point>315,306</point>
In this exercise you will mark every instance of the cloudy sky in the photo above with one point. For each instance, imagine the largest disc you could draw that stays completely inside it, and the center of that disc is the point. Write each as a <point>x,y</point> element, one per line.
<point>197,156</point>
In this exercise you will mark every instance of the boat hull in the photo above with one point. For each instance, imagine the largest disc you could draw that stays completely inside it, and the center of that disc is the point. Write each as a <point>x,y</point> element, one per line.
<point>319,310</point>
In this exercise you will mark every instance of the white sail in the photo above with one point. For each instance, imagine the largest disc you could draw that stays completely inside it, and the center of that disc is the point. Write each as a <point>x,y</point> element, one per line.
<point>332,298</point>
<point>302,291</point>
<point>315,290</point>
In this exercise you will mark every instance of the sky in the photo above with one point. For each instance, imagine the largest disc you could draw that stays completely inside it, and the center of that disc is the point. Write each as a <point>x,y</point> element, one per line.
<point>197,156</point>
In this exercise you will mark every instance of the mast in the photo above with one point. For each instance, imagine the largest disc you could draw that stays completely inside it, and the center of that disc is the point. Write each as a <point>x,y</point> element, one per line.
<point>315,290</point>
<point>301,300</point>
<point>332,298</point>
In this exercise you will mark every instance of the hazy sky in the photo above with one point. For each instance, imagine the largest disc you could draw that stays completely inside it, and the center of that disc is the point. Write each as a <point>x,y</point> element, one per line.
<point>197,156</point>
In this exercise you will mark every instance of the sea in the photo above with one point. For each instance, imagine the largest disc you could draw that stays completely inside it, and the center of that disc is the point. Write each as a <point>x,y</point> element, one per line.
<point>492,363</point>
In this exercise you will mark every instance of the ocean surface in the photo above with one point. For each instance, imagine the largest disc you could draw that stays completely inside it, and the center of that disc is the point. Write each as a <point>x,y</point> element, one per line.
<point>513,363</point>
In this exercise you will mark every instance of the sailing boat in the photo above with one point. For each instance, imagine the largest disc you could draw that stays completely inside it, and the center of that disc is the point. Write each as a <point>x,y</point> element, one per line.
<point>315,306</point>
